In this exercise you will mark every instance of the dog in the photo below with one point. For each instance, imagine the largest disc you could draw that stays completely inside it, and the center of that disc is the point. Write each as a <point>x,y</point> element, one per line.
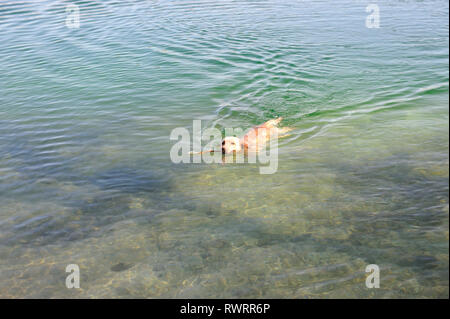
<point>255,139</point>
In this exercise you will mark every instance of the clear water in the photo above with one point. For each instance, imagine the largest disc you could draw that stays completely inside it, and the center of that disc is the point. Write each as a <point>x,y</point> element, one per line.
<point>86,178</point>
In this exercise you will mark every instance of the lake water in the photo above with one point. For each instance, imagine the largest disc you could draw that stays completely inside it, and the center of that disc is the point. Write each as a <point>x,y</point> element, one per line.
<point>86,178</point>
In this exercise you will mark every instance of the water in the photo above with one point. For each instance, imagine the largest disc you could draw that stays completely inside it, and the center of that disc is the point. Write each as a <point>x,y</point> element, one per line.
<point>86,178</point>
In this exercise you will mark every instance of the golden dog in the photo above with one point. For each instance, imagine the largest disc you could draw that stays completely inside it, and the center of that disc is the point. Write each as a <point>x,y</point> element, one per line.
<point>255,139</point>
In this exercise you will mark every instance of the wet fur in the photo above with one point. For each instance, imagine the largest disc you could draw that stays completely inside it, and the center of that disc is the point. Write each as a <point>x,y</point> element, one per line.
<point>255,139</point>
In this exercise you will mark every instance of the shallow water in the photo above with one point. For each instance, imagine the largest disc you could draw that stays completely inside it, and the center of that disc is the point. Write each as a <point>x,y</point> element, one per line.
<point>86,178</point>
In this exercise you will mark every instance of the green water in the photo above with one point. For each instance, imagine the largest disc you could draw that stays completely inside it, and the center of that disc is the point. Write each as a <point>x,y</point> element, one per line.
<point>86,177</point>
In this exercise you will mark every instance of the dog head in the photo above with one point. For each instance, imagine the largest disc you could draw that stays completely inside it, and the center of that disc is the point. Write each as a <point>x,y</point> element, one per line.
<point>231,144</point>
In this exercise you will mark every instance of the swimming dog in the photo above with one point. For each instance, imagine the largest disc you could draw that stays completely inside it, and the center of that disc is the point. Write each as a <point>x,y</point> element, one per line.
<point>254,140</point>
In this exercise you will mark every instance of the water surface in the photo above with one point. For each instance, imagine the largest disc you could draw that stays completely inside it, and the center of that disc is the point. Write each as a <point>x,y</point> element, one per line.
<point>86,178</point>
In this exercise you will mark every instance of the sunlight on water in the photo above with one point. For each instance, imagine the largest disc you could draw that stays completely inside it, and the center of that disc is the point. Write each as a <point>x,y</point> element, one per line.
<point>86,178</point>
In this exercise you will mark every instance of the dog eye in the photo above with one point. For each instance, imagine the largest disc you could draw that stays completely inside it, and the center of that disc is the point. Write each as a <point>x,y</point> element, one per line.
<point>232,143</point>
